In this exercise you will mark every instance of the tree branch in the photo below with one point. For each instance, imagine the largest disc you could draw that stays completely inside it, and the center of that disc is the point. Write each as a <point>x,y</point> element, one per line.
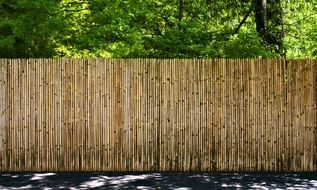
<point>300,20</point>
<point>243,20</point>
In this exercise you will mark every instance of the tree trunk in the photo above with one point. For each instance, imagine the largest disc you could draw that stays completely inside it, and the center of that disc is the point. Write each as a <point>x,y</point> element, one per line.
<point>269,23</point>
<point>260,9</point>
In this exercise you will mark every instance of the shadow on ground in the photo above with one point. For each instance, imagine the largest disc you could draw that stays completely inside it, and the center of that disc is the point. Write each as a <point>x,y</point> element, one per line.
<point>180,181</point>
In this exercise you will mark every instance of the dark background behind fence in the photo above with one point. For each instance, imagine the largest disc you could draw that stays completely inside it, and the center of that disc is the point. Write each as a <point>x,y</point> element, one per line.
<point>158,115</point>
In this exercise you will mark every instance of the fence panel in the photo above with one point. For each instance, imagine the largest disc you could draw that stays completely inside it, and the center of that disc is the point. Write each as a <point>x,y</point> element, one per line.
<point>158,115</point>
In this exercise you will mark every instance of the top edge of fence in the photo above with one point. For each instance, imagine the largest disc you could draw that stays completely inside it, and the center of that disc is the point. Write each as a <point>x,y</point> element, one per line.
<point>157,59</point>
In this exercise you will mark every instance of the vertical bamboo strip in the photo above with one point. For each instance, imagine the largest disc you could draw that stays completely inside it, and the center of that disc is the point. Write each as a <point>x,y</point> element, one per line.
<point>3,121</point>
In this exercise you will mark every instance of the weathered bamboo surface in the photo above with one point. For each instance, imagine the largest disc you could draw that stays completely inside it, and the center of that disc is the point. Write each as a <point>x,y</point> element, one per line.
<point>158,115</point>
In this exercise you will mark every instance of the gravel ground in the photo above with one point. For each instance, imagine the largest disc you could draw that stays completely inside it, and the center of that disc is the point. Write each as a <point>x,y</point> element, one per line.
<point>180,181</point>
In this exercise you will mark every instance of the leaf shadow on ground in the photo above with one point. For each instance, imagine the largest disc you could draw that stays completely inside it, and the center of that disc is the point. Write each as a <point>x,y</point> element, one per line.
<point>180,181</point>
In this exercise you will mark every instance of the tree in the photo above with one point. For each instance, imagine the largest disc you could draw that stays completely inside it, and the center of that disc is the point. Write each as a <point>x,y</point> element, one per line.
<point>269,23</point>
<point>29,28</point>
<point>158,28</point>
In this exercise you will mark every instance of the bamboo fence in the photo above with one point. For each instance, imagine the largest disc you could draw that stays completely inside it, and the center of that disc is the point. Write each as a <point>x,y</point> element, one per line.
<point>158,115</point>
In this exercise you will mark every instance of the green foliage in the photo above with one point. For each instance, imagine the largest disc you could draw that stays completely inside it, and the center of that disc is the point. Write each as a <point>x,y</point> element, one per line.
<point>29,28</point>
<point>242,45</point>
<point>150,29</point>
<point>301,30</point>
